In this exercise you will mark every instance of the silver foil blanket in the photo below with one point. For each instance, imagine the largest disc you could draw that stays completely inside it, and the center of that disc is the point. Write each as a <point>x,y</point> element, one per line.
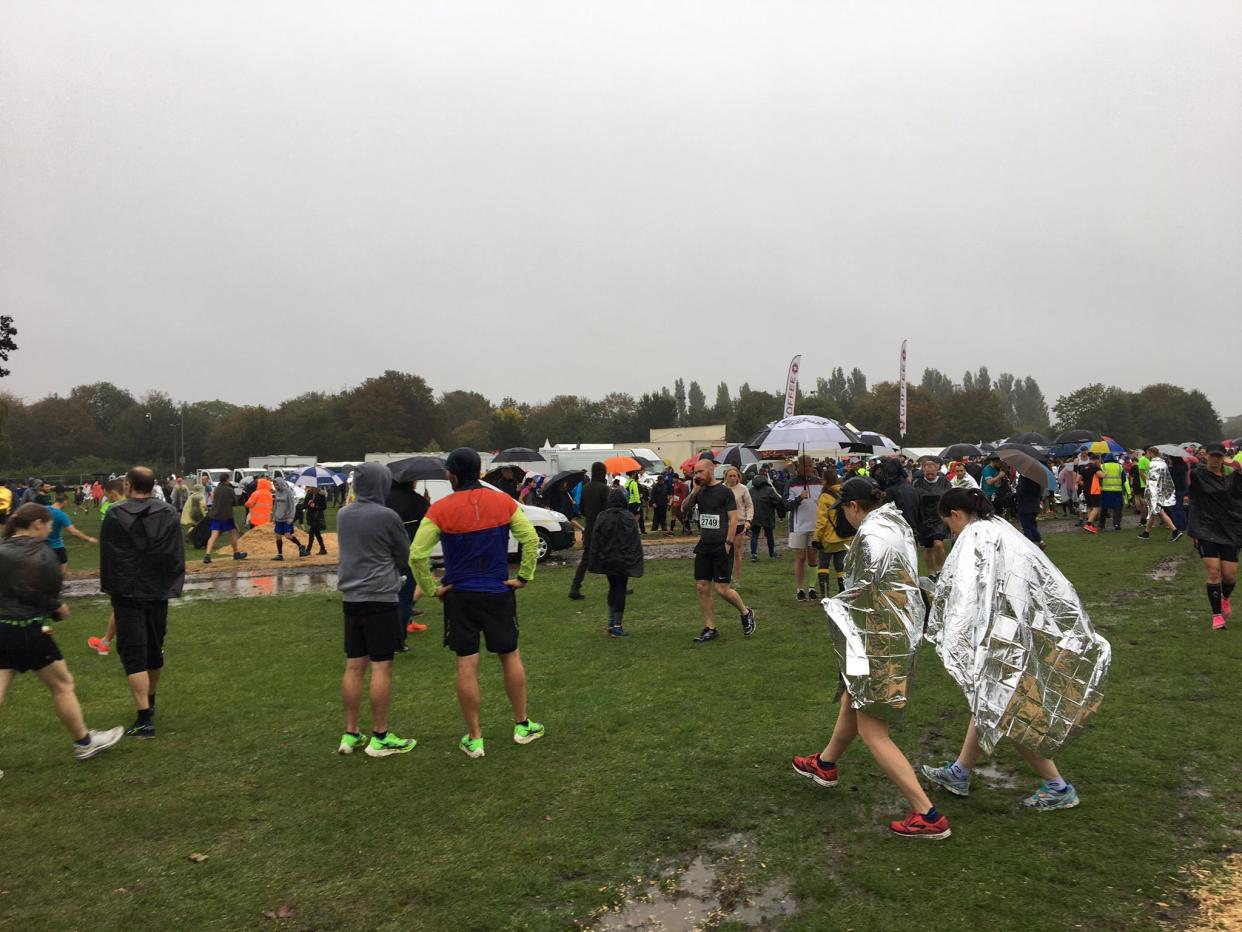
<point>877,621</point>
<point>1013,634</point>
<point>1160,490</point>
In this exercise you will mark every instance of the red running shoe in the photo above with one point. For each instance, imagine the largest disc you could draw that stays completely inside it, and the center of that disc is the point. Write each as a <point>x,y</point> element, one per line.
<point>1090,529</point>
<point>1218,623</point>
<point>415,626</point>
<point>811,768</point>
<point>915,826</point>
<point>98,645</point>
<point>1225,608</point>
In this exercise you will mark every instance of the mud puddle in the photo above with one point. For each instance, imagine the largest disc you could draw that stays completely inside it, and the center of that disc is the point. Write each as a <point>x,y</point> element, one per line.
<point>996,776</point>
<point>232,586</point>
<point>708,892</point>
<point>1166,569</point>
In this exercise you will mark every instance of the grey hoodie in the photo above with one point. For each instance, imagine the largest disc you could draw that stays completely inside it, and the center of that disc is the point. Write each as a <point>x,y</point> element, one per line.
<point>373,543</point>
<point>284,504</point>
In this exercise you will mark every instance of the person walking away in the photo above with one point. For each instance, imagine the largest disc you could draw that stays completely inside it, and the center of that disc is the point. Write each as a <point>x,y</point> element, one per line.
<point>1180,471</point>
<point>1215,495</point>
<point>284,505</point>
<point>767,504</point>
<point>617,553</point>
<point>141,566</point>
<point>1161,496</point>
<point>1112,492</point>
<point>194,510</point>
<point>260,502</point>
<point>892,478</point>
<point>1089,484</point>
<point>978,633</point>
<point>410,506</point>
<point>1067,484</point>
<point>479,598</point>
<point>223,501</point>
<point>659,506</point>
<point>677,506</point>
<point>745,515</point>
<point>881,601</point>
<point>713,558</point>
<point>30,584</point>
<point>373,547</point>
<point>1028,501</point>
<point>61,524</point>
<point>180,495</point>
<point>802,499</point>
<point>1137,468</point>
<point>594,501</point>
<point>634,500</point>
<point>832,534</point>
<point>930,487</point>
<point>316,518</point>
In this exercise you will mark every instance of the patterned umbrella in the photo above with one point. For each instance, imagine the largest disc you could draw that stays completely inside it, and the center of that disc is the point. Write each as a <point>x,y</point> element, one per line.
<point>314,475</point>
<point>807,432</point>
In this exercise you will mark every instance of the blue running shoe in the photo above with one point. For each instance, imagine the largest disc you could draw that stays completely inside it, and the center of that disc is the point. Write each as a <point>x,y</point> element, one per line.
<point>943,776</point>
<point>1045,799</point>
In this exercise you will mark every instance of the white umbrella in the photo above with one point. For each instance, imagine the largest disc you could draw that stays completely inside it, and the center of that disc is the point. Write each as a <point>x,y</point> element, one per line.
<point>808,432</point>
<point>314,475</point>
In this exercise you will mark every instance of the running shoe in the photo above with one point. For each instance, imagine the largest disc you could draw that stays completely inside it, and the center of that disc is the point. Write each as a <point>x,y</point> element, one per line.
<point>1218,623</point>
<point>707,634</point>
<point>748,622</point>
<point>99,646</point>
<point>943,776</point>
<point>100,741</point>
<point>303,551</point>
<point>471,747</point>
<point>390,745</point>
<point>1145,535</point>
<point>323,551</point>
<point>810,767</point>
<point>915,826</point>
<point>207,559</point>
<point>800,595</point>
<point>1224,607</point>
<point>279,556</point>
<point>1090,528</point>
<point>576,595</point>
<point>1045,799</point>
<point>351,743</point>
<point>1177,535</point>
<point>414,626</point>
<point>754,558</point>
<point>142,730</point>
<point>525,734</point>
<point>240,555</point>
<point>616,631</point>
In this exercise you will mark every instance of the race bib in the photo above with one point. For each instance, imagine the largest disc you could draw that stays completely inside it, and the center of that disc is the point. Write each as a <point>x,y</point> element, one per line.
<point>709,522</point>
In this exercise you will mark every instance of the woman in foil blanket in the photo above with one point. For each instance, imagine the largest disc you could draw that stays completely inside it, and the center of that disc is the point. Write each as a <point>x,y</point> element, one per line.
<point>876,624</point>
<point>1013,634</point>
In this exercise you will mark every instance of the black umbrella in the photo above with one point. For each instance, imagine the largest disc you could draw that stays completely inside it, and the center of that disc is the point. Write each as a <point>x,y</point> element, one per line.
<point>1028,461</point>
<point>1034,438</point>
<point>756,441</point>
<point>569,475</point>
<point>959,451</point>
<point>515,455</point>
<point>1078,436</point>
<point>740,456</point>
<point>414,468</point>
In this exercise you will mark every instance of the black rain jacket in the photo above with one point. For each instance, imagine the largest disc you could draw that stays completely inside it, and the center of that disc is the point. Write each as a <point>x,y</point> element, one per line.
<point>141,551</point>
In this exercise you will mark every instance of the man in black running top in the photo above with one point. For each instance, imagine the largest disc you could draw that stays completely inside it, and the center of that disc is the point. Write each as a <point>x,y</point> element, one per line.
<point>713,554</point>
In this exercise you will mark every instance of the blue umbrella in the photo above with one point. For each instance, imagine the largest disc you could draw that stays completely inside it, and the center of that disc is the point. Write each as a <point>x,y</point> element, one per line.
<point>316,476</point>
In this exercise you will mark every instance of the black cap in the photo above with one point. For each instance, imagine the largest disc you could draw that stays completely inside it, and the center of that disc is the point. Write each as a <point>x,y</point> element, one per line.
<point>1215,447</point>
<point>464,463</point>
<point>857,489</point>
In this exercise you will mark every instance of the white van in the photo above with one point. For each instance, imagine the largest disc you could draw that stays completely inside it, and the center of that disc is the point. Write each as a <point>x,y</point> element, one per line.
<point>554,530</point>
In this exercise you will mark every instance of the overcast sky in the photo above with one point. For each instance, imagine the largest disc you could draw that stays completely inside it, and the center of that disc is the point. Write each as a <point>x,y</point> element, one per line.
<point>532,198</point>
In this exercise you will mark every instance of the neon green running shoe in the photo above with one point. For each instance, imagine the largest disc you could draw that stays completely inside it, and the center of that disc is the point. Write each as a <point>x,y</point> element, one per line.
<point>471,747</point>
<point>351,743</point>
<point>525,734</point>
<point>389,746</point>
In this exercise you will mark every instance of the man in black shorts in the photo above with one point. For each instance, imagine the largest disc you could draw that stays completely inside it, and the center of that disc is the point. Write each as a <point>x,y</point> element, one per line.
<point>141,566</point>
<point>373,547</point>
<point>930,486</point>
<point>473,526</point>
<point>713,554</point>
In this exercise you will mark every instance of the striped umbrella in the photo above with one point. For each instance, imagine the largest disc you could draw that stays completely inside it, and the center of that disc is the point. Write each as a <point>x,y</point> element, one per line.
<point>314,475</point>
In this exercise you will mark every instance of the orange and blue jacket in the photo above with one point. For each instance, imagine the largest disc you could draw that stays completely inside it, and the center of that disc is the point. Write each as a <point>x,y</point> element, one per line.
<point>473,526</point>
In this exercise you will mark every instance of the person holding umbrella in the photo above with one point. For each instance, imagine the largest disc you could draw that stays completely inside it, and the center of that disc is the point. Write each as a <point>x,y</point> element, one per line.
<point>1215,497</point>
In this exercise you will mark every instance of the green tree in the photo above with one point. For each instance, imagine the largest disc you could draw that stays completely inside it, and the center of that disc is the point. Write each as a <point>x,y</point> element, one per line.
<point>856,390</point>
<point>937,384</point>
<point>654,410</point>
<point>679,395</point>
<point>722,410</point>
<point>753,410</point>
<point>975,415</point>
<point>1030,410</point>
<point>394,411</point>
<point>696,409</point>
<point>506,428</point>
<point>838,388</point>
<point>880,410</point>
<point>460,407</point>
<point>1169,414</point>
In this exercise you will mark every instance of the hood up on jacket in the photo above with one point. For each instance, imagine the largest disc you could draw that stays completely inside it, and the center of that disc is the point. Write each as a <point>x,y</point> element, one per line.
<point>617,499</point>
<point>280,484</point>
<point>372,482</point>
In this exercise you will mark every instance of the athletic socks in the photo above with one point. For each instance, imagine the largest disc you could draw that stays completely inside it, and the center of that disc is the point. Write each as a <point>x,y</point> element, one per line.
<point>84,741</point>
<point>826,764</point>
<point>931,815</point>
<point>1214,596</point>
<point>524,723</point>
<point>959,772</point>
<point>280,546</point>
<point>151,701</point>
<point>380,735</point>
<point>1226,589</point>
<point>145,715</point>
<point>1058,785</point>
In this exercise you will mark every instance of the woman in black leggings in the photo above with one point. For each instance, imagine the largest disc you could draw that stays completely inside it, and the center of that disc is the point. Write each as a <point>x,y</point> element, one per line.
<point>316,510</point>
<point>1215,498</point>
<point>616,552</point>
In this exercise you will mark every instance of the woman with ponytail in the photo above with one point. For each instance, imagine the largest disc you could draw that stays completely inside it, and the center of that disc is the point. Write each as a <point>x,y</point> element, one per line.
<point>30,582</point>
<point>1013,634</point>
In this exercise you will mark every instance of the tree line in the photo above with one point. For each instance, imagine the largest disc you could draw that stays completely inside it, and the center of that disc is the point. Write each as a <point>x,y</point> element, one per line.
<point>103,427</point>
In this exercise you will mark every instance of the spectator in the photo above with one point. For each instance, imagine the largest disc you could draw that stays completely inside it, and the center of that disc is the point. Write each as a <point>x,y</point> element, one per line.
<point>802,499</point>
<point>617,553</point>
<point>768,503</point>
<point>594,500</point>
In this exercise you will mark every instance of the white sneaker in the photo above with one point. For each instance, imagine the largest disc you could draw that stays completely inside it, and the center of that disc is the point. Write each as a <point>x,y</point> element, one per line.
<point>100,741</point>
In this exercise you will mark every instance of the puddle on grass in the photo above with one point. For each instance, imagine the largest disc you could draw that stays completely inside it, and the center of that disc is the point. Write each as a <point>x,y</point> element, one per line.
<point>1166,569</point>
<point>231,586</point>
<point>995,776</point>
<point>711,890</point>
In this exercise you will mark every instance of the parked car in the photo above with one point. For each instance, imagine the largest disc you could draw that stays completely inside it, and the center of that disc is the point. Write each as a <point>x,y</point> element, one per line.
<point>554,530</point>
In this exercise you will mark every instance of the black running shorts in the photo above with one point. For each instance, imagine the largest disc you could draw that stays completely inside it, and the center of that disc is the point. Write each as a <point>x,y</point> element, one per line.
<point>1210,550</point>
<point>141,626</point>
<point>372,630</point>
<point>715,565</point>
<point>24,646</point>
<point>469,614</point>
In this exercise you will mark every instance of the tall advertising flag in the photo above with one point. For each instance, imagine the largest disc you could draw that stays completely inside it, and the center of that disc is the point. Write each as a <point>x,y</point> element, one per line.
<point>902,409</point>
<point>791,385</point>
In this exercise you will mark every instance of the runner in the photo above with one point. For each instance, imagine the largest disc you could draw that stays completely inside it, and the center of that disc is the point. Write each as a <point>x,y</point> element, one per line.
<point>30,582</point>
<point>880,605</point>
<point>617,553</point>
<point>474,524</point>
<point>1215,497</point>
<point>802,500</point>
<point>745,514</point>
<point>61,522</point>
<point>373,548</point>
<point>1013,634</point>
<point>284,505</point>
<point>832,534</point>
<point>223,500</point>
<point>141,566</point>
<point>1089,488</point>
<point>712,554</point>
<point>1161,495</point>
<point>930,530</point>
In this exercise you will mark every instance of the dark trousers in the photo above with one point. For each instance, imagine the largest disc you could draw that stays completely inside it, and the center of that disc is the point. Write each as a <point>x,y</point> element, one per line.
<point>616,592</point>
<point>405,602</point>
<point>1029,527</point>
<point>659,518</point>
<point>315,533</point>
<point>581,571</point>
<point>754,541</point>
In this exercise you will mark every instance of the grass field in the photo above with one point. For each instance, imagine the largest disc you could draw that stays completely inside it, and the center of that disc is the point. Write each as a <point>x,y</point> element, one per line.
<point>657,750</point>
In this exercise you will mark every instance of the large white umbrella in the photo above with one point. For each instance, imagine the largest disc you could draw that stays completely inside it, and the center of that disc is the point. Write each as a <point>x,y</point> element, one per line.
<point>807,432</point>
<point>316,476</point>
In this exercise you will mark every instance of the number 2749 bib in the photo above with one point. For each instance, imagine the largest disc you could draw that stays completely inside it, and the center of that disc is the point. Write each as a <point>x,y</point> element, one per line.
<point>709,522</point>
